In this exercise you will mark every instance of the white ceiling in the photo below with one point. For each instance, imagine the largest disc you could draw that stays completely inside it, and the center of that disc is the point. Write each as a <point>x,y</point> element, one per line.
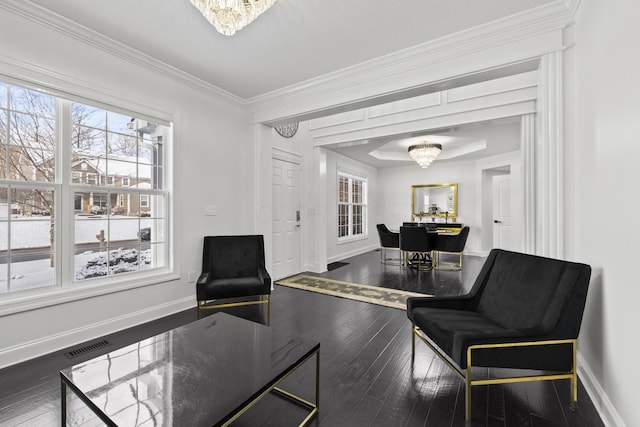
<point>292,42</point>
<point>298,40</point>
<point>462,143</point>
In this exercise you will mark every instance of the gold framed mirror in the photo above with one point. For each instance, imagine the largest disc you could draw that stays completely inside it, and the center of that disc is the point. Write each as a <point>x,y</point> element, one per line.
<point>434,200</point>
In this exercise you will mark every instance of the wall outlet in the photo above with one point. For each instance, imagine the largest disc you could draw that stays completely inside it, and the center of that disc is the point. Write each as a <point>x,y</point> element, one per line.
<point>192,276</point>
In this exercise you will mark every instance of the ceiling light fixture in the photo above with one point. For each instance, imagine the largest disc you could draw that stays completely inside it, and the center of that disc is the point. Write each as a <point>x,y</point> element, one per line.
<point>228,16</point>
<point>424,153</point>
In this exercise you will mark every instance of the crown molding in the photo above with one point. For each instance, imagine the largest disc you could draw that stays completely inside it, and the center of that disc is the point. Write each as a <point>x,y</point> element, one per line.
<point>572,5</point>
<point>525,25</point>
<point>72,29</point>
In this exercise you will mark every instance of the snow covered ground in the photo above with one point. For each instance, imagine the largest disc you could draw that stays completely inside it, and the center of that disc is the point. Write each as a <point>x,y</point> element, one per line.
<point>33,232</point>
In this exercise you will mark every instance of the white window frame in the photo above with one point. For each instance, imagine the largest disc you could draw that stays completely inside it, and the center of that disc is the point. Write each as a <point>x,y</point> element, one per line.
<point>65,288</point>
<point>351,177</point>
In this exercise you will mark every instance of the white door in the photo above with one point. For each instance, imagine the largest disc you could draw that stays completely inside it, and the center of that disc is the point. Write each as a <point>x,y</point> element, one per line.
<point>286,218</point>
<point>502,212</point>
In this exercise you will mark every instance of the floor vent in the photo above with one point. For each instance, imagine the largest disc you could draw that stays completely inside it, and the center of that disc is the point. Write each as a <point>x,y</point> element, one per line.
<point>87,349</point>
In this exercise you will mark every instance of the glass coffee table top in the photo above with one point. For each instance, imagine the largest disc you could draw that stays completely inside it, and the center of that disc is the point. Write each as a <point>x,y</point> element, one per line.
<point>203,373</point>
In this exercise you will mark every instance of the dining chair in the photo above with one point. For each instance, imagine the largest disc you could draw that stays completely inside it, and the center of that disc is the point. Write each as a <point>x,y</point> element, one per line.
<point>420,243</point>
<point>388,240</point>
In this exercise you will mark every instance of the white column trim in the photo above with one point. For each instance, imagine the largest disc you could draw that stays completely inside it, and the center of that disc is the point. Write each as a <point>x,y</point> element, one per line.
<point>527,147</point>
<point>548,164</point>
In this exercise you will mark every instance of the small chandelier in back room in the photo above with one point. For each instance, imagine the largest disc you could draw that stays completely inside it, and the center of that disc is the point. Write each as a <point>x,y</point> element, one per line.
<point>424,153</point>
<point>228,16</point>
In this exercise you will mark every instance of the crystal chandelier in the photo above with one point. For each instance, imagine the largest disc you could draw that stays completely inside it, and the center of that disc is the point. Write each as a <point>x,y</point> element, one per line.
<point>425,153</point>
<point>228,16</point>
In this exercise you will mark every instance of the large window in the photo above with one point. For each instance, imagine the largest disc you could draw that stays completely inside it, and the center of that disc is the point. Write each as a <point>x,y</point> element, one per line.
<point>57,162</point>
<point>352,206</point>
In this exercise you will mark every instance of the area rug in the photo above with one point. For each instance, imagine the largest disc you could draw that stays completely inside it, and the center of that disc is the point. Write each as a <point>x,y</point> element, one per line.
<point>372,294</point>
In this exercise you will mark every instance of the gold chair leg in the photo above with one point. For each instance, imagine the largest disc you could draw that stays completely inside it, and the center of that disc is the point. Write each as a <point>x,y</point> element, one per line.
<point>413,341</point>
<point>574,379</point>
<point>467,394</point>
<point>269,308</point>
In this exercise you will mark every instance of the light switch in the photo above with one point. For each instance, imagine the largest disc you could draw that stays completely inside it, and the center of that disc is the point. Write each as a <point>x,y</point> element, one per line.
<point>210,210</point>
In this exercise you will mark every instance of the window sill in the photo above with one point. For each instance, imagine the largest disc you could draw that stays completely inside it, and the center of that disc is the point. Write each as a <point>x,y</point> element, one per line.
<point>11,304</point>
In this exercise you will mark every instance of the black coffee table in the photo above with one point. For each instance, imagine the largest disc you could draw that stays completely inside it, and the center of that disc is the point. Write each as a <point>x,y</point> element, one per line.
<point>206,373</point>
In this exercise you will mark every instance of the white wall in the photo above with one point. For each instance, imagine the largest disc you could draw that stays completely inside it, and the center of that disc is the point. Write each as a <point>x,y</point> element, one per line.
<point>604,107</point>
<point>213,165</point>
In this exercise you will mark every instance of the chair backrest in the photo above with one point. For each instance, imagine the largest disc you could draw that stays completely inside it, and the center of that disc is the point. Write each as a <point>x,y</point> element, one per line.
<point>388,239</point>
<point>431,226</point>
<point>416,239</point>
<point>532,293</point>
<point>233,256</point>
<point>453,243</point>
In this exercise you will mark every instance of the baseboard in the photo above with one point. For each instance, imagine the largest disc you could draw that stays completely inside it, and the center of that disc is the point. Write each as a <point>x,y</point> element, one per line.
<point>601,401</point>
<point>22,353</point>
<point>349,254</point>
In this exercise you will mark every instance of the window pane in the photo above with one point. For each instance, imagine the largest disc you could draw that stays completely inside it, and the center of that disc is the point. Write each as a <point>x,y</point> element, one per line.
<point>90,261</point>
<point>86,115</point>
<point>124,260</point>
<point>29,164</point>
<point>120,123</point>
<point>88,141</point>
<point>151,230</point>
<point>4,271</point>
<point>357,191</point>
<point>144,176</point>
<point>31,270</point>
<point>4,237</point>
<point>91,232</point>
<point>343,190</point>
<point>32,102</point>
<point>357,220</point>
<point>343,220</point>
<point>123,203</point>
<point>32,202</point>
<point>122,170</point>
<point>154,256</point>
<point>122,146</point>
<point>32,130</point>
<point>124,232</point>
<point>3,95</point>
<point>3,127</point>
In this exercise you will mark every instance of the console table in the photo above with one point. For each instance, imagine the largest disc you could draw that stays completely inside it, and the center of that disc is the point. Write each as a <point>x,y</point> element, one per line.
<point>206,373</point>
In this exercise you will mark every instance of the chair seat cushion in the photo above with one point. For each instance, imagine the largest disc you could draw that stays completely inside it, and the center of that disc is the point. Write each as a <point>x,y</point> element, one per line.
<point>454,330</point>
<point>235,287</point>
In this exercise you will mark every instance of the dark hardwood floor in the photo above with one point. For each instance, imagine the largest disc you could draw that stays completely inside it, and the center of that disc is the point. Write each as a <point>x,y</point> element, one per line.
<point>367,376</point>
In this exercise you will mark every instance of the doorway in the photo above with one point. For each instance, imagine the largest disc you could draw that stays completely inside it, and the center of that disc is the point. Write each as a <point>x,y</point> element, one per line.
<point>502,236</point>
<point>499,222</point>
<point>286,223</point>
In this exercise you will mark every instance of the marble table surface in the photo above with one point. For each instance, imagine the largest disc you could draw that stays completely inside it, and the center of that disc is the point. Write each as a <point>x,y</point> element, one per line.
<point>194,375</point>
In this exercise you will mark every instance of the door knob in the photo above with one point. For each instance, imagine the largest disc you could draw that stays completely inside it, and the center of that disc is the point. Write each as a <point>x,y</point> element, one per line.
<point>495,221</point>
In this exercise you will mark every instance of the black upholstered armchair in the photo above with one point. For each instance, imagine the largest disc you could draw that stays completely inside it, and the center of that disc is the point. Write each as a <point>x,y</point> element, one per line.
<point>388,240</point>
<point>453,244</point>
<point>420,243</point>
<point>523,312</point>
<point>233,267</point>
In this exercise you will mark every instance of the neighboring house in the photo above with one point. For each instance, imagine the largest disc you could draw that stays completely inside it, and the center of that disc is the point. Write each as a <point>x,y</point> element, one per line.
<point>115,177</point>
